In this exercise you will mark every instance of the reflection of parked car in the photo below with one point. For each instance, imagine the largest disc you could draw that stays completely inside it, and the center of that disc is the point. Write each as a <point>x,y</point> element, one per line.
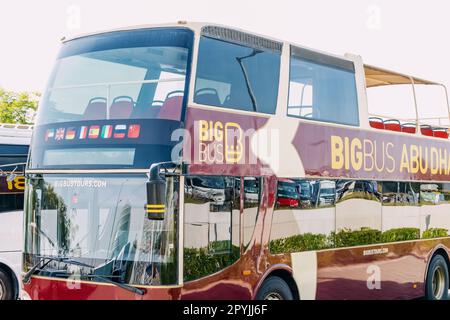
<point>430,193</point>
<point>288,195</point>
<point>210,188</point>
<point>326,193</point>
<point>366,189</point>
<point>306,193</point>
<point>251,190</point>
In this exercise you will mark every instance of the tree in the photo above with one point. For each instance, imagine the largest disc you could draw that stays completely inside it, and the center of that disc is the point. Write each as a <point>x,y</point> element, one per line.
<point>18,107</point>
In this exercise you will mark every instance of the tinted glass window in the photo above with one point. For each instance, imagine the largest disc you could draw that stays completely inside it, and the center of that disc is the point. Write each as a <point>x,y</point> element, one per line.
<point>435,217</point>
<point>236,76</point>
<point>11,202</point>
<point>211,225</point>
<point>434,194</point>
<point>11,149</point>
<point>322,88</point>
<point>252,192</point>
<point>304,216</point>
<point>136,74</point>
<point>100,220</point>
<point>358,213</point>
<point>321,214</point>
<point>400,194</point>
<point>401,211</point>
<point>14,161</point>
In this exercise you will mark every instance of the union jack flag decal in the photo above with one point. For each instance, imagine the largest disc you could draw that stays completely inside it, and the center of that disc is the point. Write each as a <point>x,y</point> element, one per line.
<point>60,134</point>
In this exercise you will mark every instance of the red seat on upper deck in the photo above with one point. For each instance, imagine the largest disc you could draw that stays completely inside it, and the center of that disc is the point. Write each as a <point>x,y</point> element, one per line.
<point>440,133</point>
<point>392,125</point>
<point>121,108</point>
<point>376,123</point>
<point>426,130</point>
<point>409,127</point>
<point>171,109</point>
<point>96,109</point>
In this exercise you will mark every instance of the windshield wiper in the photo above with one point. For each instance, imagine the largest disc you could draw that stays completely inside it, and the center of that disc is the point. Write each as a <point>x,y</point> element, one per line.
<point>27,276</point>
<point>120,285</point>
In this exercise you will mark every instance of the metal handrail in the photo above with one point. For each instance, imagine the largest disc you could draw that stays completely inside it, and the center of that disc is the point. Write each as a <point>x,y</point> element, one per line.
<point>106,84</point>
<point>421,120</point>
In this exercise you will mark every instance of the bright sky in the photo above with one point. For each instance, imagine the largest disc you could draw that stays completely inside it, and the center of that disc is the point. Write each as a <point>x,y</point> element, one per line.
<point>407,36</point>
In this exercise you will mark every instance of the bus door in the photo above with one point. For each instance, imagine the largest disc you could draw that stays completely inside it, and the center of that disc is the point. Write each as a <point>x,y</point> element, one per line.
<point>212,236</point>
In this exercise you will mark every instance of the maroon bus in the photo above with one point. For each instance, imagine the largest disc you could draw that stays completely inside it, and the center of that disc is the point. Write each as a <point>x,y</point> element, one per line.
<point>159,163</point>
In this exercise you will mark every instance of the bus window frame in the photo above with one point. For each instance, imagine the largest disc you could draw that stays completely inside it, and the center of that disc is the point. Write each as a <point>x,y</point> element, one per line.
<point>279,91</point>
<point>324,60</point>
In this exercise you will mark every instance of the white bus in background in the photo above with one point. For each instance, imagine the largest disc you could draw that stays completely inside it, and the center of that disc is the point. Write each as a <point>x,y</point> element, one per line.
<point>14,143</point>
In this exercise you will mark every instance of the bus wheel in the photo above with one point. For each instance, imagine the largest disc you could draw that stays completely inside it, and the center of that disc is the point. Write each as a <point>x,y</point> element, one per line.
<point>437,279</point>
<point>6,287</point>
<point>274,288</point>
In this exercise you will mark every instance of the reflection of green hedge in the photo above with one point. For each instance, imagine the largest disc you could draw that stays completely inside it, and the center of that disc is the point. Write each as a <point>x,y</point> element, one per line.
<point>400,234</point>
<point>219,246</point>
<point>300,242</point>
<point>435,233</point>
<point>347,238</point>
<point>201,262</point>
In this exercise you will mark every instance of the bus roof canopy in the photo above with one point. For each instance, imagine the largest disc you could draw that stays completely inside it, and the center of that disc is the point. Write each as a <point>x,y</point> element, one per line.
<point>376,77</point>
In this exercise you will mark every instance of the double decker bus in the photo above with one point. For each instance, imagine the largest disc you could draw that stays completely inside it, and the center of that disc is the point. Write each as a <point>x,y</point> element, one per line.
<point>14,142</point>
<point>162,154</point>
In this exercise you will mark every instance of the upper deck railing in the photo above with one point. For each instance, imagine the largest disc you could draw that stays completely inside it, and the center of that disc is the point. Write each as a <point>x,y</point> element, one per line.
<point>376,77</point>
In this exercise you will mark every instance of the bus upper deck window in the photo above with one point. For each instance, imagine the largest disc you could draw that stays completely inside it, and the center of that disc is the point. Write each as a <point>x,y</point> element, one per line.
<point>237,76</point>
<point>322,88</point>
<point>122,75</point>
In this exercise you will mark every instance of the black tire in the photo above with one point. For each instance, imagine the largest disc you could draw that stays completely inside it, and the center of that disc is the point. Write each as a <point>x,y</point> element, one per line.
<point>274,288</point>
<point>436,287</point>
<point>6,286</point>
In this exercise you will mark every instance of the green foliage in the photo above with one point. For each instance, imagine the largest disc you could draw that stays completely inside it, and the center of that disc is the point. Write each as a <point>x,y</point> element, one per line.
<point>201,262</point>
<point>300,242</point>
<point>220,246</point>
<point>18,107</point>
<point>348,238</point>
<point>400,234</point>
<point>435,233</point>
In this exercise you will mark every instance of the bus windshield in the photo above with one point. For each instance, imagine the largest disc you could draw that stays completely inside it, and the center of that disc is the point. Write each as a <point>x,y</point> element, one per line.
<point>117,80</point>
<point>120,94</point>
<point>99,220</point>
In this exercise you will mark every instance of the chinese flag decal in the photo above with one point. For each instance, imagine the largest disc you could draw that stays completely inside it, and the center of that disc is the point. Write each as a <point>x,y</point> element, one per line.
<point>134,131</point>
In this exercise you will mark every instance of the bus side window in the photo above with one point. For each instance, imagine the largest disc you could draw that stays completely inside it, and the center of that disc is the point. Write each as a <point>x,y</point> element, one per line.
<point>11,202</point>
<point>237,76</point>
<point>430,193</point>
<point>358,213</point>
<point>400,212</point>
<point>211,238</point>
<point>322,88</point>
<point>434,200</point>
<point>304,216</point>
<point>400,194</point>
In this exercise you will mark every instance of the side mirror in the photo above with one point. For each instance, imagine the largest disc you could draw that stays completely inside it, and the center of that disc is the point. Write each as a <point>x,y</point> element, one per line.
<point>156,196</point>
